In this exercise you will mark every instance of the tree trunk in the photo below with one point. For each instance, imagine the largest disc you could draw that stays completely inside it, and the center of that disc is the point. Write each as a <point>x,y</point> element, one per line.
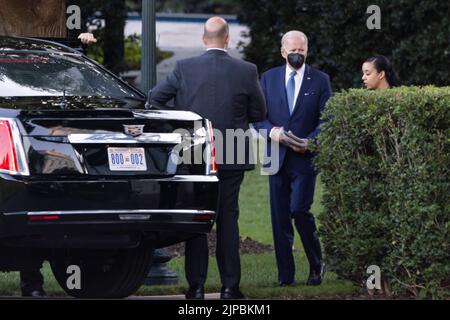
<point>33,18</point>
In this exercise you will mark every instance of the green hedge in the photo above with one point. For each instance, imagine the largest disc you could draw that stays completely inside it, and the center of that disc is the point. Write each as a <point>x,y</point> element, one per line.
<point>385,164</point>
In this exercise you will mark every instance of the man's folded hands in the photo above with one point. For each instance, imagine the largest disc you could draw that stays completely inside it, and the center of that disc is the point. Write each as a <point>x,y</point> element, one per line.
<point>289,139</point>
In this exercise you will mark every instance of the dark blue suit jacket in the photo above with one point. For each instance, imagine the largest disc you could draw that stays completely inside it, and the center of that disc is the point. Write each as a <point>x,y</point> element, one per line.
<point>304,122</point>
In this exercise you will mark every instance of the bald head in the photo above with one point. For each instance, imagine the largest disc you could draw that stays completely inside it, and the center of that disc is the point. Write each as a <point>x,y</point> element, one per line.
<point>216,33</point>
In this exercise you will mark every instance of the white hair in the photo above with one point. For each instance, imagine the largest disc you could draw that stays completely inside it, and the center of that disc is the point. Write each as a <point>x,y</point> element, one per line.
<point>293,34</point>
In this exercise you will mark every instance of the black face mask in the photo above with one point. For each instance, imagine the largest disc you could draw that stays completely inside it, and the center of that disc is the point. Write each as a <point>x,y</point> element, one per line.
<point>296,60</point>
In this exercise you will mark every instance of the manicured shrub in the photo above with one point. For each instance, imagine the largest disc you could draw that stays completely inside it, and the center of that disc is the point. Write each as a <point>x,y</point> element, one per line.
<point>384,158</point>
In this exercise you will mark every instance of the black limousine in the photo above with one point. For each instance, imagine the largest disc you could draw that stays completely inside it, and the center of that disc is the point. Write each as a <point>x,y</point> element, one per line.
<point>90,175</point>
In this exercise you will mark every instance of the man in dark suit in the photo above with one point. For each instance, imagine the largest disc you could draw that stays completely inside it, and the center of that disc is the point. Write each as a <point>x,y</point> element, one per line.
<point>226,91</point>
<point>296,95</point>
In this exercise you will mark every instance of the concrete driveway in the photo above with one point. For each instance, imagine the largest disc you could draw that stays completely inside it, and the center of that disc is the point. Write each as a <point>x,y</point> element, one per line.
<point>184,39</point>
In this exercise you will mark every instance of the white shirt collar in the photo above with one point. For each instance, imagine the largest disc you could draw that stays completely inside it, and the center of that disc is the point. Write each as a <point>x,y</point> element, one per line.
<point>220,49</point>
<point>300,72</point>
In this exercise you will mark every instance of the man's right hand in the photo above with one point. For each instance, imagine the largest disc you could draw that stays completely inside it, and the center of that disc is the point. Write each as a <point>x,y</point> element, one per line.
<point>275,134</point>
<point>87,38</point>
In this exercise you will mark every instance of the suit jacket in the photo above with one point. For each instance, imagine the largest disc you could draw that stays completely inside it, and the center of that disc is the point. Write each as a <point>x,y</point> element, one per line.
<point>220,88</point>
<point>304,121</point>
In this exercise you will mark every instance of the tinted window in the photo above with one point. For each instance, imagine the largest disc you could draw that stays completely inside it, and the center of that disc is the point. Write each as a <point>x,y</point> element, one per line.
<point>30,74</point>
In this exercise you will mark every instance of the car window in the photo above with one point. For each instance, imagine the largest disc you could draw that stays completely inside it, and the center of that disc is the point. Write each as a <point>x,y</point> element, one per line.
<point>33,74</point>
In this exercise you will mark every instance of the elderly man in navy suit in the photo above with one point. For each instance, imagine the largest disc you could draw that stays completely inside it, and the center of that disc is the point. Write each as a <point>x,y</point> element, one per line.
<point>296,95</point>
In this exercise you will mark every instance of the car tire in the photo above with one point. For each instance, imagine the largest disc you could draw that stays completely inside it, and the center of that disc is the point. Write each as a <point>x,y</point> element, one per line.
<point>102,273</point>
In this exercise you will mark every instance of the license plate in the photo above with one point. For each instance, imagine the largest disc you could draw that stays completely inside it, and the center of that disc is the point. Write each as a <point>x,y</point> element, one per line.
<point>127,159</point>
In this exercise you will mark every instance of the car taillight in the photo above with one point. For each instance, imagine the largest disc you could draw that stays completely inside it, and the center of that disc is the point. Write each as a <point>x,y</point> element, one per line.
<point>212,163</point>
<point>8,154</point>
<point>203,217</point>
<point>12,153</point>
<point>44,218</point>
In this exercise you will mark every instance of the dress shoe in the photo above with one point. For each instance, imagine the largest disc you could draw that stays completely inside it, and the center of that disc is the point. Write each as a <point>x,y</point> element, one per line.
<point>316,276</point>
<point>231,293</point>
<point>196,293</point>
<point>37,293</point>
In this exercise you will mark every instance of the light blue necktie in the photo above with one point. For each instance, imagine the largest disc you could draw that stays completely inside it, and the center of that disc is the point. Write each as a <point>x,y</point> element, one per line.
<point>290,89</point>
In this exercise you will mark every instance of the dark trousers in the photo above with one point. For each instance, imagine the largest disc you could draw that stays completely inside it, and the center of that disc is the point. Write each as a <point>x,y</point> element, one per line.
<point>291,197</point>
<point>30,277</point>
<point>227,249</point>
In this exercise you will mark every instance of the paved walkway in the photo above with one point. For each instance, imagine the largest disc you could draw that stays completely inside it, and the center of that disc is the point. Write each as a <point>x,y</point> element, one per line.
<point>184,39</point>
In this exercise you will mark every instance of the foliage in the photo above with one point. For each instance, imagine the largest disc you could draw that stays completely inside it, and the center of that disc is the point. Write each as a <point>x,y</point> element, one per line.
<point>385,165</point>
<point>132,52</point>
<point>414,35</point>
<point>199,6</point>
<point>114,13</point>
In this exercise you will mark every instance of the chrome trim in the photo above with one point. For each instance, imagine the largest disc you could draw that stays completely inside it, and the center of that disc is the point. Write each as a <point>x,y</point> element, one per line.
<point>199,137</point>
<point>142,213</point>
<point>192,178</point>
<point>134,130</point>
<point>200,132</point>
<point>167,115</point>
<point>135,217</point>
<point>120,138</point>
<point>177,178</point>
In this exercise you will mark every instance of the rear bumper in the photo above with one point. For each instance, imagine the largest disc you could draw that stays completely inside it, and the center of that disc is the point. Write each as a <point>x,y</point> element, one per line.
<point>82,213</point>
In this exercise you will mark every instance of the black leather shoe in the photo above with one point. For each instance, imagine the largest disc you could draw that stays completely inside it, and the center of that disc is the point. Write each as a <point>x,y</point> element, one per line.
<point>231,293</point>
<point>316,276</point>
<point>196,293</point>
<point>38,293</point>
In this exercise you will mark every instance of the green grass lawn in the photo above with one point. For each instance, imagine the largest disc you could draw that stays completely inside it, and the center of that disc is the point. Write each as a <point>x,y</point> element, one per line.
<point>254,220</point>
<point>259,272</point>
<point>258,280</point>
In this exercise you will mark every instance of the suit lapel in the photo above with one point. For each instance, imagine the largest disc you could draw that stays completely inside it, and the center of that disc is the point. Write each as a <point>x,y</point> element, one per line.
<point>306,84</point>
<point>282,88</point>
